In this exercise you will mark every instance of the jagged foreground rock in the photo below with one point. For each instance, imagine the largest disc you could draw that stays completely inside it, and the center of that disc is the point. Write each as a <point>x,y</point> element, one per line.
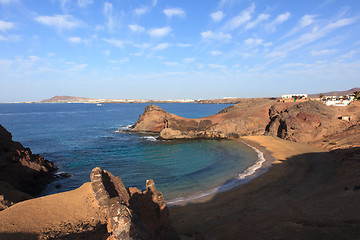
<point>22,173</point>
<point>131,213</point>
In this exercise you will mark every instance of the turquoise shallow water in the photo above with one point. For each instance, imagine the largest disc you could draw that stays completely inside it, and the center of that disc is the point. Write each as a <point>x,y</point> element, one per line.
<point>79,137</point>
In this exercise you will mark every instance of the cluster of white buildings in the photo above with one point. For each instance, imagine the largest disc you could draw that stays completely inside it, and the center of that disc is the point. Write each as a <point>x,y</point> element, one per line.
<point>338,100</point>
<point>328,100</point>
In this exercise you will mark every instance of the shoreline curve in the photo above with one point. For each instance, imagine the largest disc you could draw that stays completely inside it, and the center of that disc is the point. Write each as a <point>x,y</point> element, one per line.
<point>255,170</point>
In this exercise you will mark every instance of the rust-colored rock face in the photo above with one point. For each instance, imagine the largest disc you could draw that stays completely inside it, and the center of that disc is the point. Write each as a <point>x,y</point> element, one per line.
<point>300,122</point>
<point>233,122</point>
<point>307,121</point>
<point>19,167</point>
<point>131,213</point>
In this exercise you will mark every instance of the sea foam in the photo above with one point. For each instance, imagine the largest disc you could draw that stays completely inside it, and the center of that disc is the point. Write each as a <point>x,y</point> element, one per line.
<point>124,128</point>
<point>149,138</point>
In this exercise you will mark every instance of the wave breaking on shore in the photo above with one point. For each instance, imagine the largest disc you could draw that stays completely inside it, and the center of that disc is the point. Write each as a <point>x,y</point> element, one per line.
<point>243,177</point>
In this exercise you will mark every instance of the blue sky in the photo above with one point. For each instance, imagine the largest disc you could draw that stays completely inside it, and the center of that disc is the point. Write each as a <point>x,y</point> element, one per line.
<point>166,49</point>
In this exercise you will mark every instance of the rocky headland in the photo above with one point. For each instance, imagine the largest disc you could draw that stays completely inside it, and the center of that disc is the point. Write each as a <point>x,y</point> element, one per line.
<point>245,118</point>
<point>22,173</point>
<point>299,122</point>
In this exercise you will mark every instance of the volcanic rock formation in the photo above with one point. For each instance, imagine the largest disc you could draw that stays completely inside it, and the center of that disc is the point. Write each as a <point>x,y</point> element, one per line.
<point>299,122</point>
<point>242,119</point>
<point>310,121</point>
<point>131,213</point>
<point>21,172</point>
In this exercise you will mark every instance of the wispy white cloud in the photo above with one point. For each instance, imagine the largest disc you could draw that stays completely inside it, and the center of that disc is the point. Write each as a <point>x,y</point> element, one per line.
<point>60,22</point>
<point>348,55</point>
<point>142,45</point>
<point>120,61</point>
<point>141,10</point>
<point>154,3</point>
<point>315,34</point>
<point>216,53</point>
<point>261,18</point>
<point>160,32</point>
<point>188,60</point>
<point>170,12</point>
<point>216,36</point>
<point>77,67</point>
<point>116,42</point>
<point>171,63</point>
<point>183,45</point>
<point>323,52</point>
<point>64,4</point>
<point>200,65</point>
<point>217,66</point>
<point>276,55</point>
<point>240,19</point>
<point>254,41</point>
<point>161,46</point>
<point>84,3</point>
<point>326,2</point>
<point>340,23</point>
<point>75,39</point>
<point>136,28</point>
<point>107,53</point>
<point>217,16</point>
<point>277,21</point>
<point>4,26</point>
<point>4,2</point>
<point>222,3</point>
<point>305,21</point>
<point>108,7</point>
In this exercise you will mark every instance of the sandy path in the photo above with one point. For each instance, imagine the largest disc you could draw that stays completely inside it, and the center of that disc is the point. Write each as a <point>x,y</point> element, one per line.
<point>71,211</point>
<point>298,198</point>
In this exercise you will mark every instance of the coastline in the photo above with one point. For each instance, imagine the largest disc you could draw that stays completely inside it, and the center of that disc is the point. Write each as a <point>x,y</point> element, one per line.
<point>262,164</point>
<point>300,193</point>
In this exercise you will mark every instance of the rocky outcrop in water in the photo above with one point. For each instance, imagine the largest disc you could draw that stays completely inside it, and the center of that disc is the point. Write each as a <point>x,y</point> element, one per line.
<point>248,118</point>
<point>300,122</point>
<point>21,169</point>
<point>131,213</point>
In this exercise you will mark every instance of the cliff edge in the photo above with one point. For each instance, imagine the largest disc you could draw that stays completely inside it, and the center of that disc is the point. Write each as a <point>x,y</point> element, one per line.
<point>304,122</point>
<point>22,173</point>
<point>233,122</point>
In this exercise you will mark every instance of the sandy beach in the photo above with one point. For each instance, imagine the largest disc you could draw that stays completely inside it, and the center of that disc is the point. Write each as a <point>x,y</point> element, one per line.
<point>302,196</point>
<point>75,212</point>
<point>305,194</point>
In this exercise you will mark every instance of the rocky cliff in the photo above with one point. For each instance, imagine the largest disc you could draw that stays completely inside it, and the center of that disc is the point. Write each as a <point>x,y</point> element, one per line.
<point>233,122</point>
<point>299,122</point>
<point>22,173</point>
<point>311,121</point>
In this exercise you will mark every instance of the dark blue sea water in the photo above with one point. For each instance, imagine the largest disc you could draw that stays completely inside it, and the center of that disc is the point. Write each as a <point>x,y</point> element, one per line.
<point>79,137</point>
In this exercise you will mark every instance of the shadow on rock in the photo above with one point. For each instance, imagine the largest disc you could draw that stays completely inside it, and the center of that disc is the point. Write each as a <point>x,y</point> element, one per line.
<point>131,213</point>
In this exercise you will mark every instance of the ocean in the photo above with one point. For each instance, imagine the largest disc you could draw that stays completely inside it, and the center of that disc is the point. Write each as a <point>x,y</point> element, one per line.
<point>79,137</point>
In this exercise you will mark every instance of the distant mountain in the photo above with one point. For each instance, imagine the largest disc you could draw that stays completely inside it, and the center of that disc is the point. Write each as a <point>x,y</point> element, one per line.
<point>69,99</point>
<point>336,93</point>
